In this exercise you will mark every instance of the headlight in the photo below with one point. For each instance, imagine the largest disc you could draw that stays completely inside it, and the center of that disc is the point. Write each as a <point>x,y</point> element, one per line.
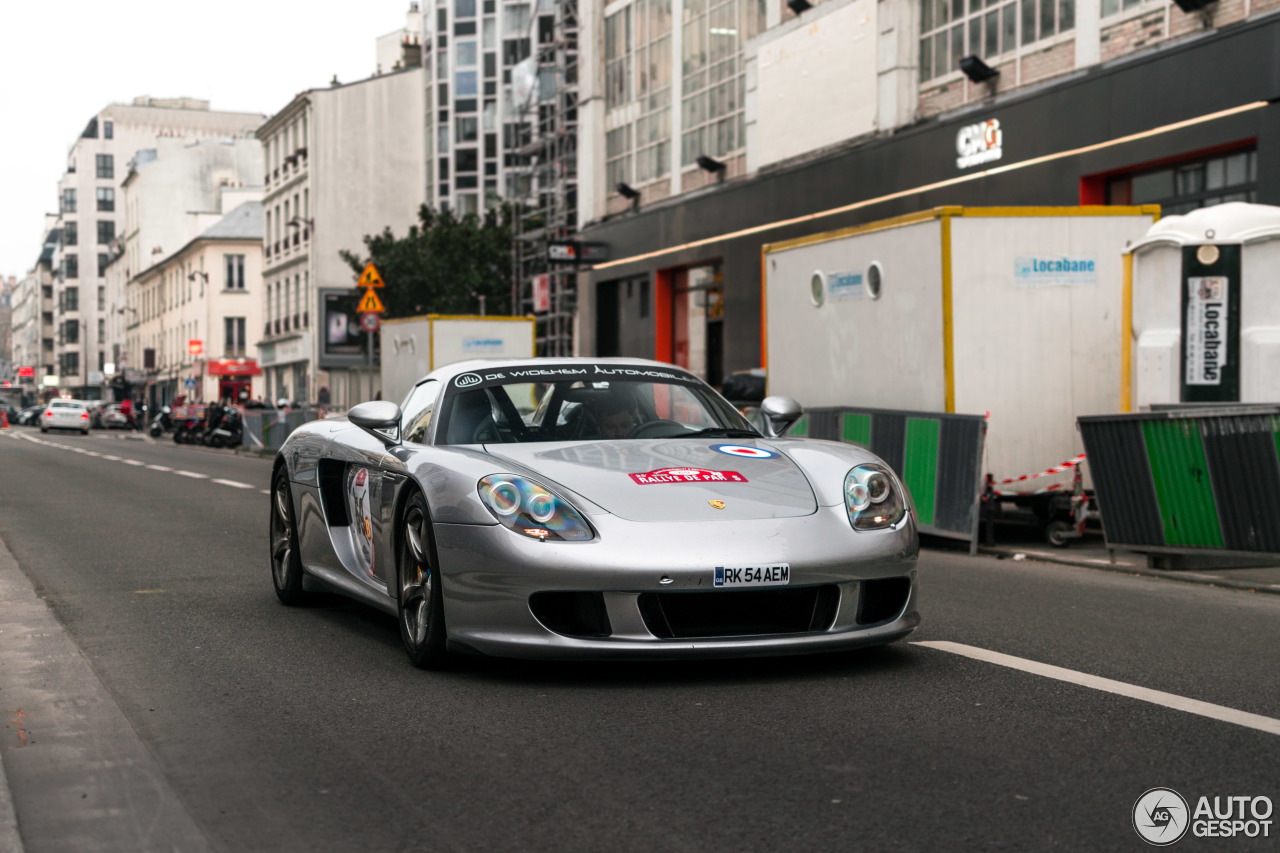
<point>532,510</point>
<point>873,498</point>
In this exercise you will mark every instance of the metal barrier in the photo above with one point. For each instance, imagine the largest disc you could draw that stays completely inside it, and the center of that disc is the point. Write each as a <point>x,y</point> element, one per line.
<point>1188,480</point>
<point>937,455</point>
<point>266,429</point>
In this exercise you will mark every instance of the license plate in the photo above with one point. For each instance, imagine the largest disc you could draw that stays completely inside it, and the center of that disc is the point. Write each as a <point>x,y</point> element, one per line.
<point>778,574</point>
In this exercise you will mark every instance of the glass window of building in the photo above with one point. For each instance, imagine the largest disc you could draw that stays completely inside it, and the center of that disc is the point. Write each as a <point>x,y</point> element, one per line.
<point>106,199</point>
<point>68,201</point>
<point>71,268</point>
<point>464,85</point>
<point>952,29</point>
<point>105,165</point>
<point>468,129</point>
<point>464,53</point>
<point>714,84</point>
<point>234,272</point>
<point>70,234</point>
<point>106,231</point>
<point>464,8</point>
<point>1184,187</point>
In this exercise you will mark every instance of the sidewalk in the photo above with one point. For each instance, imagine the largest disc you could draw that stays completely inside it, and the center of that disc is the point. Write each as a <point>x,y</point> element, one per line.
<point>1018,542</point>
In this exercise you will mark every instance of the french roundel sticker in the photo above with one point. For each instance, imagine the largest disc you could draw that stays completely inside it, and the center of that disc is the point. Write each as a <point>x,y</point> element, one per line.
<point>744,451</point>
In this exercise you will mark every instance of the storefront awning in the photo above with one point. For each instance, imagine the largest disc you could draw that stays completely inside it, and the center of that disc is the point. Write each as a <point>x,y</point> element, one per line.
<point>234,367</point>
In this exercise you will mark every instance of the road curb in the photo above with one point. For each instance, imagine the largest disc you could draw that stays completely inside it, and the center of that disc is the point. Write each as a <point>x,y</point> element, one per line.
<point>75,768</point>
<point>1130,569</point>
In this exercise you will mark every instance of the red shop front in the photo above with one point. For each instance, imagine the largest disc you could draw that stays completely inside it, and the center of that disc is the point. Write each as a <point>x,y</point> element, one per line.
<point>235,377</point>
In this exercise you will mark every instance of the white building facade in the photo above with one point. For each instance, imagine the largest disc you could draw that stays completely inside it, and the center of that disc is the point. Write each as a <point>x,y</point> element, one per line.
<point>341,163</point>
<point>91,222</point>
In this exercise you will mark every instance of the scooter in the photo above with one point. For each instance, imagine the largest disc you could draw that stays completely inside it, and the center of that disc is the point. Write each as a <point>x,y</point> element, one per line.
<point>162,423</point>
<point>228,431</point>
<point>188,431</point>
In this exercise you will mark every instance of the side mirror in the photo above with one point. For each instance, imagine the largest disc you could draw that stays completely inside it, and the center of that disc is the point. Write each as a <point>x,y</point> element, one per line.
<point>780,414</point>
<point>379,418</point>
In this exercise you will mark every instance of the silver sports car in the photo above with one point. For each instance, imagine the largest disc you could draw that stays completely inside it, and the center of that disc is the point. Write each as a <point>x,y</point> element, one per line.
<point>576,508</point>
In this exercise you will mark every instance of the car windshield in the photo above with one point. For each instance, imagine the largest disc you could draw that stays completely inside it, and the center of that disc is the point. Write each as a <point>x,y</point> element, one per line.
<point>583,403</point>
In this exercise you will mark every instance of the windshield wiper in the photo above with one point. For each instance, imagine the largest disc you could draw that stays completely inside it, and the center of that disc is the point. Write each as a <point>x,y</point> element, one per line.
<point>720,432</point>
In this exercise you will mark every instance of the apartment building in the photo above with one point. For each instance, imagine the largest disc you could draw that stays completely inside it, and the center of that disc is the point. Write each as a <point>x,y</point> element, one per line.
<point>197,309</point>
<point>33,330</point>
<point>91,217</point>
<point>713,127</point>
<point>341,162</point>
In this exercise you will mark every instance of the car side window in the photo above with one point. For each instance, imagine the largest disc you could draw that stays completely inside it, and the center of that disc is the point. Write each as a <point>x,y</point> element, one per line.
<point>417,410</point>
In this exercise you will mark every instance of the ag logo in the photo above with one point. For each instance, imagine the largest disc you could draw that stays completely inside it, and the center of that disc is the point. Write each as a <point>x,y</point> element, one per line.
<point>1161,816</point>
<point>466,380</point>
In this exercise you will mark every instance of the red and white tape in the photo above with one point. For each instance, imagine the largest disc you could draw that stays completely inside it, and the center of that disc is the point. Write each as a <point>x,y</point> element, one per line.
<point>1056,469</point>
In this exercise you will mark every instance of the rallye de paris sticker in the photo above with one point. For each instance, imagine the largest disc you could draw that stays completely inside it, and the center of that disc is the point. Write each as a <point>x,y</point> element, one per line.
<point>687,475</point>
<point>743,450</point>
<point>362,519</point>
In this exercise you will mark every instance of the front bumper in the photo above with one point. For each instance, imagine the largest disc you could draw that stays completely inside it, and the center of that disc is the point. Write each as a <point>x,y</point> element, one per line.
<point>489,573</point>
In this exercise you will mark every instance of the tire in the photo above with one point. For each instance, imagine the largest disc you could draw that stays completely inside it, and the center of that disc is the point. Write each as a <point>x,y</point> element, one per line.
<point>286,560</point>
<point>1059,534</point>
<point>419,596</point>
<point>85,431</point>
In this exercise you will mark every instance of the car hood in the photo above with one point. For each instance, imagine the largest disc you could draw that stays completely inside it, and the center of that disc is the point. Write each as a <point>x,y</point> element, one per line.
<point>671,479</point>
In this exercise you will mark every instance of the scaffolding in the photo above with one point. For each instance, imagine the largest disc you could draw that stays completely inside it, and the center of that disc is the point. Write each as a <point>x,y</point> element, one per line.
<point>543,180</point>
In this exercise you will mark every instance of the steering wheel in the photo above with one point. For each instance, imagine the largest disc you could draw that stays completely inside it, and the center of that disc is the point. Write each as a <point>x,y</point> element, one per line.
<point>646,429</point>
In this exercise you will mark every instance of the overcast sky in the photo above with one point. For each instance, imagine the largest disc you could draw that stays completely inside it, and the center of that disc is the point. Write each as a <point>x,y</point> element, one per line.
<point>61,62</point>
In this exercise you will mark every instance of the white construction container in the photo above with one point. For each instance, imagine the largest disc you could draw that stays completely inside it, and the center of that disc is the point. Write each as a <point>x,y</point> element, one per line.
<point>1013,312</point>
<point>1206,308</point>
<point>414,346</point>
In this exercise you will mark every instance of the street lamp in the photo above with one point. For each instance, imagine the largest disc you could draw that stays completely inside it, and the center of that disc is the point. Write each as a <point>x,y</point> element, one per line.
<point>299,221</point>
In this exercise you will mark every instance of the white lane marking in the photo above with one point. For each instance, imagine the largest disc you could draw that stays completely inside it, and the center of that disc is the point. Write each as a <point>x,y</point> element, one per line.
<point>90,453</point>
<point>158,468</point>
<point>192,474</point>
<point>133,462</point>
<point>1107,685</point>
<point>265,491</point>
<point>232,483</point>
<point>112,458</point>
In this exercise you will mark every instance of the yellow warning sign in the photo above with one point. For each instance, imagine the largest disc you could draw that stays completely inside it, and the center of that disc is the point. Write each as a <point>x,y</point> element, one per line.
<point>370,277</point>
<point>370,302</point>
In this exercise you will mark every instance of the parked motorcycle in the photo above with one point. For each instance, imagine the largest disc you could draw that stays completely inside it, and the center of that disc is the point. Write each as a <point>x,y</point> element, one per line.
<point>228,431</point>
<point>162,423</point>
<point>188,430</point>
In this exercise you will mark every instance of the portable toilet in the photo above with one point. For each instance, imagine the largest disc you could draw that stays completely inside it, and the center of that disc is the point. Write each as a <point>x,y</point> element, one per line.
<point>1206,308</point>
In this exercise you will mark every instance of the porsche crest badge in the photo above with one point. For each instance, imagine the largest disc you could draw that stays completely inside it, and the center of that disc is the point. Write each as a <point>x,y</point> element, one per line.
<point>717,504</point>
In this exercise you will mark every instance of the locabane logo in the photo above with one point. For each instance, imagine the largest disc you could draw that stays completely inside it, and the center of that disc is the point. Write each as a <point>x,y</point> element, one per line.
<point>1160,816</point>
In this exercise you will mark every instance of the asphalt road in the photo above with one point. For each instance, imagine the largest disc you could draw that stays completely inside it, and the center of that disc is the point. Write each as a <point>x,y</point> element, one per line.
<point>258,727</point>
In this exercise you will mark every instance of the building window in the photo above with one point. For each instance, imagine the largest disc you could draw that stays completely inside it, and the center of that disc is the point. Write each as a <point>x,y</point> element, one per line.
<point>950,29</point>
<point>70,234</point>
<point>233,328</point>
<point>102,298</point>
<point>468,129</point>
<point>466,160</point>
<point>106,165</point>
<point>1186,186</point>
<point>69,201</point>
<point>106,231</point>
<point>70,363</point>
<point>71,266</point>
<point>108,130</point>
<point>71,331</point>
<point>617,58</point>
<point>103,261</point>
<point>235,272</point>
<point>464,84</point>
<point>713,76</point>
<point>102,332</point>
<point>106,199</point>
<point>464,8</point>
<point>617,148</point>
<point>71,299</point>
<point>464,54</point>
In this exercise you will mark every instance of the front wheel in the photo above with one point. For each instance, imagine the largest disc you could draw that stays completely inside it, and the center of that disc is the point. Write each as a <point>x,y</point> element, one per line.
<point>286,561</point>
<point>420,600</point>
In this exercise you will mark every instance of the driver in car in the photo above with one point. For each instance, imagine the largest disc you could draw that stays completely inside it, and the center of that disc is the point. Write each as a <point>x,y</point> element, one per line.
<point>614,417</point>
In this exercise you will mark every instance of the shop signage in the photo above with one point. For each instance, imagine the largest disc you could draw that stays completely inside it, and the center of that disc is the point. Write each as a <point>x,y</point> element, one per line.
<point>1206,347</point>
<point>195,347</point>
<point>1054,271</point>
<point>979,143</point>
<point>26,372</point>
<point>52,379</point>
<point>234,367</point>
<point>541,293</point>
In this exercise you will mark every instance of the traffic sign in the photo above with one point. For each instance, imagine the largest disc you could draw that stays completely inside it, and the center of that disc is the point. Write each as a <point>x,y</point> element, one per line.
<point>370,321</point>
<point>370,302</point>
<point>370,278</point>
